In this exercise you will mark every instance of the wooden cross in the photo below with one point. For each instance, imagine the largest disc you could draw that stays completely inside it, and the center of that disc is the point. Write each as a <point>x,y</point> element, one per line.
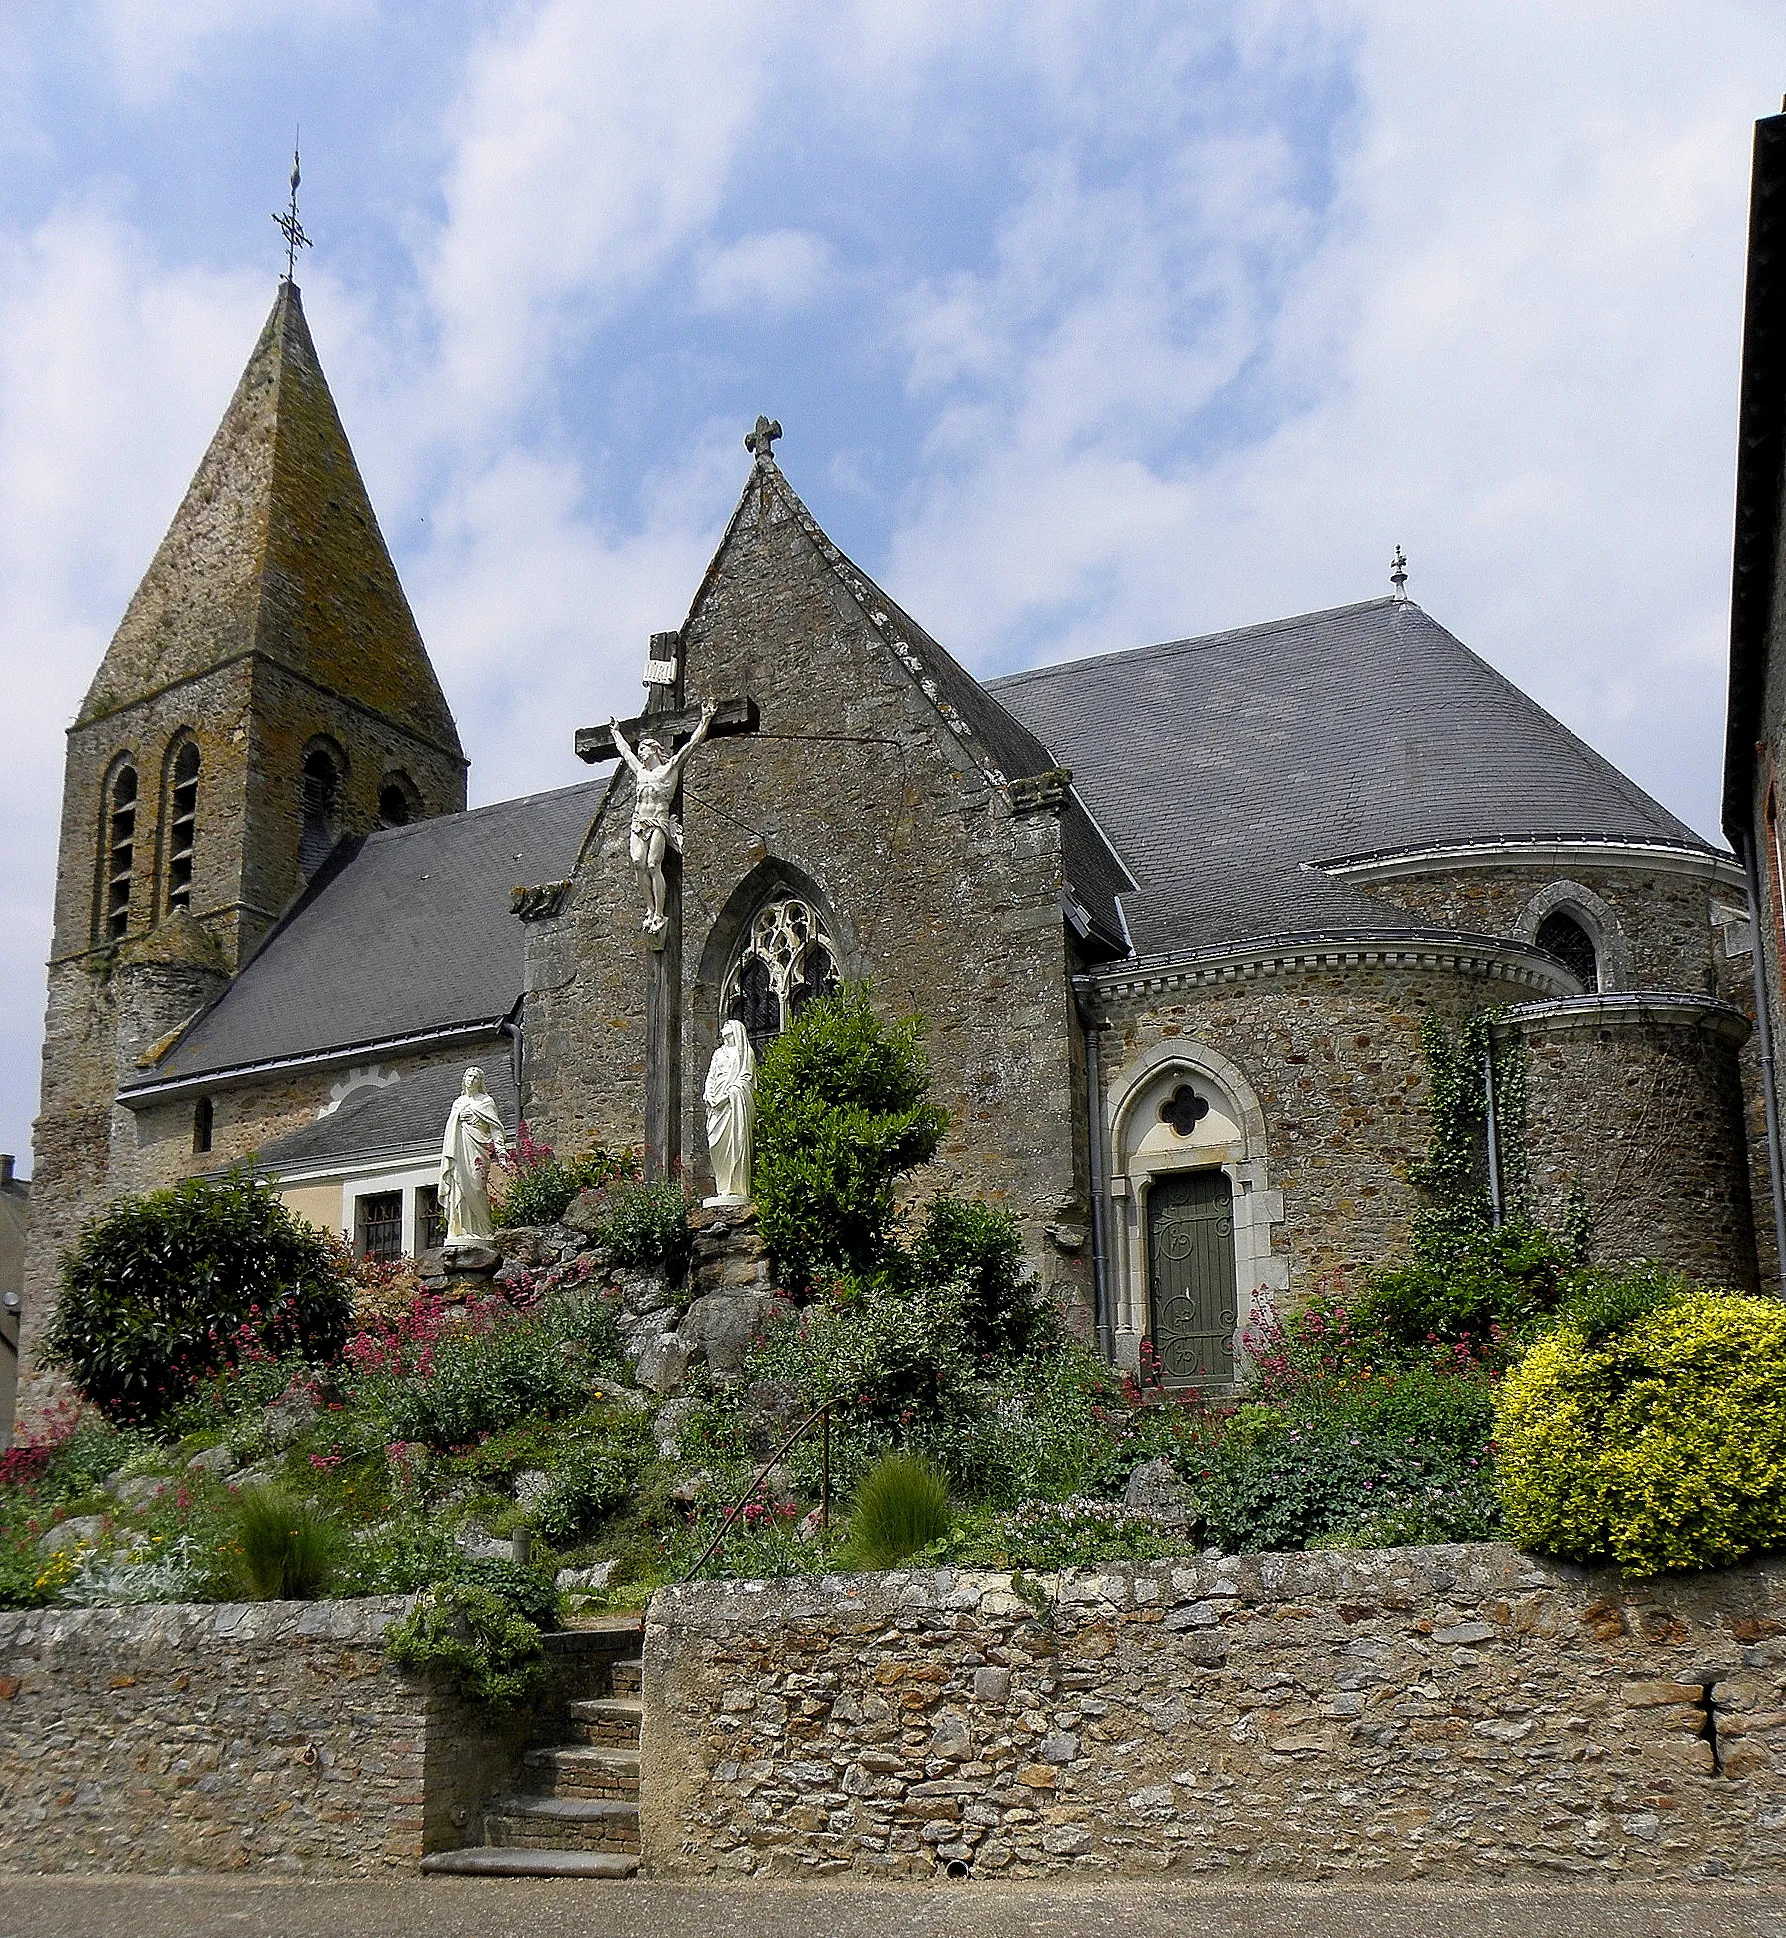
<point>672,724</point>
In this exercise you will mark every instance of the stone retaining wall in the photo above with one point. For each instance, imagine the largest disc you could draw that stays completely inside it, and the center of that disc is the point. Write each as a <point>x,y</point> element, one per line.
<point>1445,1713</point>
<point>267,1735</point>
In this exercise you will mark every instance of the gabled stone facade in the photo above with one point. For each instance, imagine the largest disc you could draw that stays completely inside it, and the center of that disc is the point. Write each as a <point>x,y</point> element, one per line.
<point>938,876</point>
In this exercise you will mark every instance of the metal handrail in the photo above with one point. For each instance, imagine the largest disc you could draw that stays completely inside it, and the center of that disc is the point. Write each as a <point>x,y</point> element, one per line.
<point>822,1412</point>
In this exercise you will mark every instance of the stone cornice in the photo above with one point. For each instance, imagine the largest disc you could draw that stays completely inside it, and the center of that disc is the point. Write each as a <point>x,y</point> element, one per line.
<point>1661,857</point>
<point>1657,1009</point>
<point>1331,954</point>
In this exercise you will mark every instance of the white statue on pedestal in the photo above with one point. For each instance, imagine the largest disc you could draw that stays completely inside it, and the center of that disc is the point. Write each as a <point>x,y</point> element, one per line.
<point>655,829</point>
<point>731,1115</point>
<point>473,1142</point>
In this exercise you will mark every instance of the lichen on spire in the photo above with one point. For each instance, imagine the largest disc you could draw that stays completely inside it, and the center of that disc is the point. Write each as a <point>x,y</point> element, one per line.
<point>275,550</point>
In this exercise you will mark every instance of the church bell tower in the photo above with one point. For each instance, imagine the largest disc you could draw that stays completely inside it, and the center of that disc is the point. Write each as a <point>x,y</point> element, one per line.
<point>266,696</point>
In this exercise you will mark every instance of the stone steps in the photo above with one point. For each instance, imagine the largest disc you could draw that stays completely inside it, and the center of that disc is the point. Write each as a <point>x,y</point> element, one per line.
<point>611,1722</point>
<point>514,1860</point>
<point>563,1823</point>
<point>578,1814</point>
<point>574,1770</point>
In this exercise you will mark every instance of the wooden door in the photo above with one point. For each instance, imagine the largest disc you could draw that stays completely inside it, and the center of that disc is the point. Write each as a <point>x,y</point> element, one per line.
<point>1190,1271</point>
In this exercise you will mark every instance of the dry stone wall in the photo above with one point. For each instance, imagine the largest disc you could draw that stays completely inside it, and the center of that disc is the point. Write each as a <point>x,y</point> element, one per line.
<point>267,1735</point>
<point>1444,1713</point>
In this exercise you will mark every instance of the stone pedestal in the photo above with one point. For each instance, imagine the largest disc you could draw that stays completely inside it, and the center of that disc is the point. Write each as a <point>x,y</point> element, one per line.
<point>729,1254</point>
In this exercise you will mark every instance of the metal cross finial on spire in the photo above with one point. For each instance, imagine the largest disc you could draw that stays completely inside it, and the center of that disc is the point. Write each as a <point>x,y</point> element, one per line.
<point>1398,574</point>
<point>289,225</point>
<point>760,442</point>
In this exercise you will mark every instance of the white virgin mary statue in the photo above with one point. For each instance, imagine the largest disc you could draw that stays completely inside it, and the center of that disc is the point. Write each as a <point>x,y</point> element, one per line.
<point>473,1142</point>
<point>731,1115</point>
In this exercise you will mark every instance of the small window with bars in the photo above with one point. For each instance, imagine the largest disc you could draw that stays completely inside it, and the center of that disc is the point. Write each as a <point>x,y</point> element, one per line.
<point>378,1219</point>
<point>120,851</point>
<point>182,808</point>
<point>430,1225</point>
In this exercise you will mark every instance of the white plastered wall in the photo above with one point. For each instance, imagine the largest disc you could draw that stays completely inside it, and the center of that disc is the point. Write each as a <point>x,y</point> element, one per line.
<point>1144,1147</point>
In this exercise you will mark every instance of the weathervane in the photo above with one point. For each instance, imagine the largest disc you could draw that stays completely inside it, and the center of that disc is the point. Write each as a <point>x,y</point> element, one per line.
<point>289,225</point>
<point>1398,574</point>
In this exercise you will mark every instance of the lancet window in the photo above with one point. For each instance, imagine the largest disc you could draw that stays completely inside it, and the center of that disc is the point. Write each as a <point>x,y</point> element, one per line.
<point>120,850</point>
<point>182,826</point>
<point>321,788</point>
<point>785,961</point>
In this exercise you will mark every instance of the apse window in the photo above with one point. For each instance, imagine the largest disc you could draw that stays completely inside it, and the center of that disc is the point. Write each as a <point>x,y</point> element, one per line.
<point>1560,935</point>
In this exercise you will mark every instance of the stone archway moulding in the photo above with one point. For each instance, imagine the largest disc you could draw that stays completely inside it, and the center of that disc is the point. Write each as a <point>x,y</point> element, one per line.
<point>1596,915</point>
<point>1133,1170</point>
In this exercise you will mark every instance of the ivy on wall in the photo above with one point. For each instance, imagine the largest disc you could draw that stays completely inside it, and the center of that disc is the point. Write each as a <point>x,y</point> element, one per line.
<point>1455,1173</point>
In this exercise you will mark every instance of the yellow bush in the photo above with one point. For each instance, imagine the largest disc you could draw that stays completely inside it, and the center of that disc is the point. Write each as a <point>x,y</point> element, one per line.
<point>1662,1447</point>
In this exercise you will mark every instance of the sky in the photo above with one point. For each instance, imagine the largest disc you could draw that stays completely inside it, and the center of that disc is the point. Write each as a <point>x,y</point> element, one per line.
<point>1090,323</point>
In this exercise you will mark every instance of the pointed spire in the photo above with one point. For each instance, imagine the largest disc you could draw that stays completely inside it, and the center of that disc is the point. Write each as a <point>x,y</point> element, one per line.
<point>1398,576</point>
<point>275,551</point>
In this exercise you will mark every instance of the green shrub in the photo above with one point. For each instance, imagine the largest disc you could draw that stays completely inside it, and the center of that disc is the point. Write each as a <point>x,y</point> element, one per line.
<point>1047,1536</point>
<point>162,1290</point>
<point>1602,1301</point>
<point>1330,1457</point>
<point>901,1506</point>
<point>282,1549</point>
<point>842,1115</point>
<point>893,1358</point>
<point>476,1635</point>
<point>647,1224</point>
<point>539,1186</point>
<point>978,1247</point>
<point>1473,1286</point>
<point>588,1484</point>
<point>474,1382</point>
<point>1661,1446</point>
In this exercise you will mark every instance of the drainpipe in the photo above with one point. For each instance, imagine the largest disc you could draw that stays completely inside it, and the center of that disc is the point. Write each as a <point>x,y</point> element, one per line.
<point>1094,1125</point>
<point>1764,1030</point>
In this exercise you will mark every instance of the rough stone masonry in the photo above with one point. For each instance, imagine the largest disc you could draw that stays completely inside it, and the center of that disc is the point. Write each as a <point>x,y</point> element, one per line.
<point>1445,1713</point>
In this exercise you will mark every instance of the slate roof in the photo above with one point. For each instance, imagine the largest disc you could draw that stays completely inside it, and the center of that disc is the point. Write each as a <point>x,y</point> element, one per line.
<point>408,1115</point>
<point>1223,767</point>
<point>406,931</point>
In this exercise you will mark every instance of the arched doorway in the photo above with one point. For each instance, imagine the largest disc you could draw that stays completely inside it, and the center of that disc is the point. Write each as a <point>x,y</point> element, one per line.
<point>1192,1213</point>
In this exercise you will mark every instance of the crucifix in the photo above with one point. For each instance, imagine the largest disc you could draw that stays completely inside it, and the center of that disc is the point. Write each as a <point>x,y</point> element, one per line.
<point>656,746</point>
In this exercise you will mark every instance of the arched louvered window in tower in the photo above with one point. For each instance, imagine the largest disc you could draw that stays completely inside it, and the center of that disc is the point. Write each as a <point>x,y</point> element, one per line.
<point>182,824</point>
<point>120,851</point>
<point>1562,936</point>
<point>321,792</point>
<point>398,802</point>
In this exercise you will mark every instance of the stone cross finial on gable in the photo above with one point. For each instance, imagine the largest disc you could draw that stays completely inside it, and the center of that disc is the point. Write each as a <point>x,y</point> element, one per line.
<point>760,442</point>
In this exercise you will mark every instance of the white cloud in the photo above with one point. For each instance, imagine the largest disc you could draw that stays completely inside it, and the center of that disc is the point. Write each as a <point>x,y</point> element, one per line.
<point>1512,347</point>
<point>155,44</point>
<point>772,273</point>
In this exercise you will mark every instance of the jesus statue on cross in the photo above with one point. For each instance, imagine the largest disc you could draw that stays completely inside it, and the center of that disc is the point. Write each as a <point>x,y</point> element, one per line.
<point>656,776</point>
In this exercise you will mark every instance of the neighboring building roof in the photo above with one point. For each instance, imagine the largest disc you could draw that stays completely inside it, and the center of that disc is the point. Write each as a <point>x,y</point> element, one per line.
<point>275,551</point>
<point>1226,768</point>
<point>1761,449</point>
<point>405,932</point>
<point>388,1119</point>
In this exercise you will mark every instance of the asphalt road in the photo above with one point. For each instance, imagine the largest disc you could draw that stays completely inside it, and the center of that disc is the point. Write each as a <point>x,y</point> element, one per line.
<point>206,1907</point>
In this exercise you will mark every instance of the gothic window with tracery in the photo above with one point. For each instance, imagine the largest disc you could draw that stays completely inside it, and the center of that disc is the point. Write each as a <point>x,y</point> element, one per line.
<point>785,961</point>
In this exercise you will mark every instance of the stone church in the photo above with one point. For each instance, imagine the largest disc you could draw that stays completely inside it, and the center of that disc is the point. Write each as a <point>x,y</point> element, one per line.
<point>1174,917</point>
